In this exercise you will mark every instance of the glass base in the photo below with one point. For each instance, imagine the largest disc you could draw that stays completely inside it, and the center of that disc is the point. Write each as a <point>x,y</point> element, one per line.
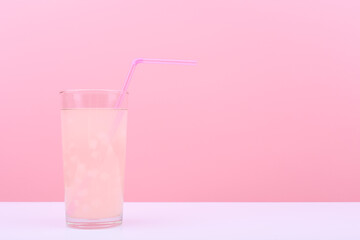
<point>93,223</point>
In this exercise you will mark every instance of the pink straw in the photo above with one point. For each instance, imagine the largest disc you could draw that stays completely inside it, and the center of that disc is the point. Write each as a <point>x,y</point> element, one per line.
<point>147,60</point>
<point>131,73</point>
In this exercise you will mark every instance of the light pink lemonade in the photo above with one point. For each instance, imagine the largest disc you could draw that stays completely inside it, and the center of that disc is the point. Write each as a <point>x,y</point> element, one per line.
<point>94,161</point>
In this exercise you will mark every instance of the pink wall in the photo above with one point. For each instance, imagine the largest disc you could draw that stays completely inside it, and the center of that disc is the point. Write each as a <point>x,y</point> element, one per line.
<point>270,113</point>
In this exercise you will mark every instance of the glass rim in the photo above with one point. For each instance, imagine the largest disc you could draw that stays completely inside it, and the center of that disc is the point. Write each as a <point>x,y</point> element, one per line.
<point>91,90</point>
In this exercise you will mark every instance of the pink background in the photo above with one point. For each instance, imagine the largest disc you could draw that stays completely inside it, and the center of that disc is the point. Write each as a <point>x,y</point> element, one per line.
<point>270,113</point>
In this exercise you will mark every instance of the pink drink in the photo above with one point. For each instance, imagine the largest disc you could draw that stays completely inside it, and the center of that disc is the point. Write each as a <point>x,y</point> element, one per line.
<point>94,140</point>
<point>94,160</point>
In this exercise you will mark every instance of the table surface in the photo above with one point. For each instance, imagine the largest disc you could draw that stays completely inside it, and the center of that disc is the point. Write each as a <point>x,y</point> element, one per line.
<point>275,221</point>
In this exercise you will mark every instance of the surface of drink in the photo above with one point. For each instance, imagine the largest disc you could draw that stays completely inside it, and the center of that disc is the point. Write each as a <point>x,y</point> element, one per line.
<point>94,161</point>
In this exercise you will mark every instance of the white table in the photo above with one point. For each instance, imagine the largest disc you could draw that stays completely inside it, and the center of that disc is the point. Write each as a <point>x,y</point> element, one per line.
<point>275,221</point>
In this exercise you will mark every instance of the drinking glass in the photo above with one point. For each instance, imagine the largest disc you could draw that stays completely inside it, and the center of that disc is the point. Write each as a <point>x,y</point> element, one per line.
<point>93,144</point>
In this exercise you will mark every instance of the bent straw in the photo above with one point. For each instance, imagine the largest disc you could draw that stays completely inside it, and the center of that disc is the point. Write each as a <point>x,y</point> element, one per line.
<point>147,60</point>
<point>129,77</point>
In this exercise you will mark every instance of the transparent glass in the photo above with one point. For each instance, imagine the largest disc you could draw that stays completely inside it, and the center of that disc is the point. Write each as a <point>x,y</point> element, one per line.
<point>94,144</point>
